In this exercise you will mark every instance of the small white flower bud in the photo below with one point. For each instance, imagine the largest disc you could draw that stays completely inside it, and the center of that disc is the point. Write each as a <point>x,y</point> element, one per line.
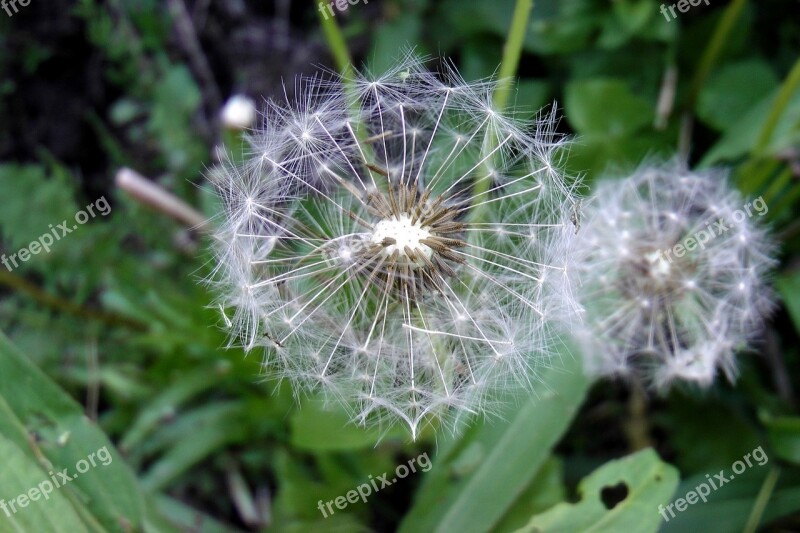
<point>238,113</point>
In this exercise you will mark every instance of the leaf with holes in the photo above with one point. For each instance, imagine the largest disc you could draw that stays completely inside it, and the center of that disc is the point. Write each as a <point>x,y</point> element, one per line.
<point>622,495</point>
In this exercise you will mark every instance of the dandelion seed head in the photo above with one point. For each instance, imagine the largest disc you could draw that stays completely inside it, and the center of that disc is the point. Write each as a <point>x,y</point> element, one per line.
<point>678,299</point>
<point>405,246</point>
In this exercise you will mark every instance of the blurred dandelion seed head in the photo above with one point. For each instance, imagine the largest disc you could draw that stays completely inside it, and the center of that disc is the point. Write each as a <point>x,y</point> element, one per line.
<point>667,297</point>
<point>397,244</point>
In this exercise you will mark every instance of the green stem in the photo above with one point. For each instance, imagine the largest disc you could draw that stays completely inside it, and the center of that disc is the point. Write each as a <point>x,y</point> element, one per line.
<point>637,426</point>
<point>512,51</point>
<point>761,500</point>
<point>789,87</point>
<point>336,43</point>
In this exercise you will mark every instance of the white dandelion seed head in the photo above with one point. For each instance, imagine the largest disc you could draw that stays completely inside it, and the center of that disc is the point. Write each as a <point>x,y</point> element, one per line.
<point>399,245</point>
<point>672,278</point>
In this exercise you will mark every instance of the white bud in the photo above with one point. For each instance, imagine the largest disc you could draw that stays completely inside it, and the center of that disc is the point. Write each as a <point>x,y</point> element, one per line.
<point>238,113</point>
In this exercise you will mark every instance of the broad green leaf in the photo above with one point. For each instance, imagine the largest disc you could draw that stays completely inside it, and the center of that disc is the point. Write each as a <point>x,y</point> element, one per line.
<point>720,107</point>
<point>21,474</point>
<point>65,437</point>
<point>176,98</point>
<point>546,490</point>
<point>559,27</point>
<point>495,462</point>
<point>622,495</point>
<point>630,16</point>
<point>605,107</point>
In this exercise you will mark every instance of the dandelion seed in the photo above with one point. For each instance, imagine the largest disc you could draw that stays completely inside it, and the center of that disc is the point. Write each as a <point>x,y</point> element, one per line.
<point>667,298</point>
<point>362,257</point>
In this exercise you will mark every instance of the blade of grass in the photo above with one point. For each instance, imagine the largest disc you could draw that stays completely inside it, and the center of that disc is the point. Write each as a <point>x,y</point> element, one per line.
<point>789,87</point>
<point>761,500</point>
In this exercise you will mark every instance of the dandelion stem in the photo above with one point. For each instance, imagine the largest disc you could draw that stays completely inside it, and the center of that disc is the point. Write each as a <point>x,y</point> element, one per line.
<point>638,427</point>
<point>337,45</point>
<point>512,51</point>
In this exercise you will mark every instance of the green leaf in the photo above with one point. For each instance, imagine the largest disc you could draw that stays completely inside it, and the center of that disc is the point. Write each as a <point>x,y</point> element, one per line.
<point>741,136</point>
<point>546,490</point>
<point>559,27</point>
<point>641,481</point>
<point>395,33</point>
<point>32,202</point>
<point>64,436</point>
<point>496,462</point>
<point>164,406</point>
<point>630,17</point>
<point>52,510</point>
<point>315,428</point>
<point>531,95</point>
<point>784,436</point>
<point>720,107</point>
<point>176,99</point>
<point>607,107</point>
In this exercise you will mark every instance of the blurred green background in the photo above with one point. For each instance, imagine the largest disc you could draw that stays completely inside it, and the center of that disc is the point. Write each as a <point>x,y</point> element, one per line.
<point>110,338</point>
